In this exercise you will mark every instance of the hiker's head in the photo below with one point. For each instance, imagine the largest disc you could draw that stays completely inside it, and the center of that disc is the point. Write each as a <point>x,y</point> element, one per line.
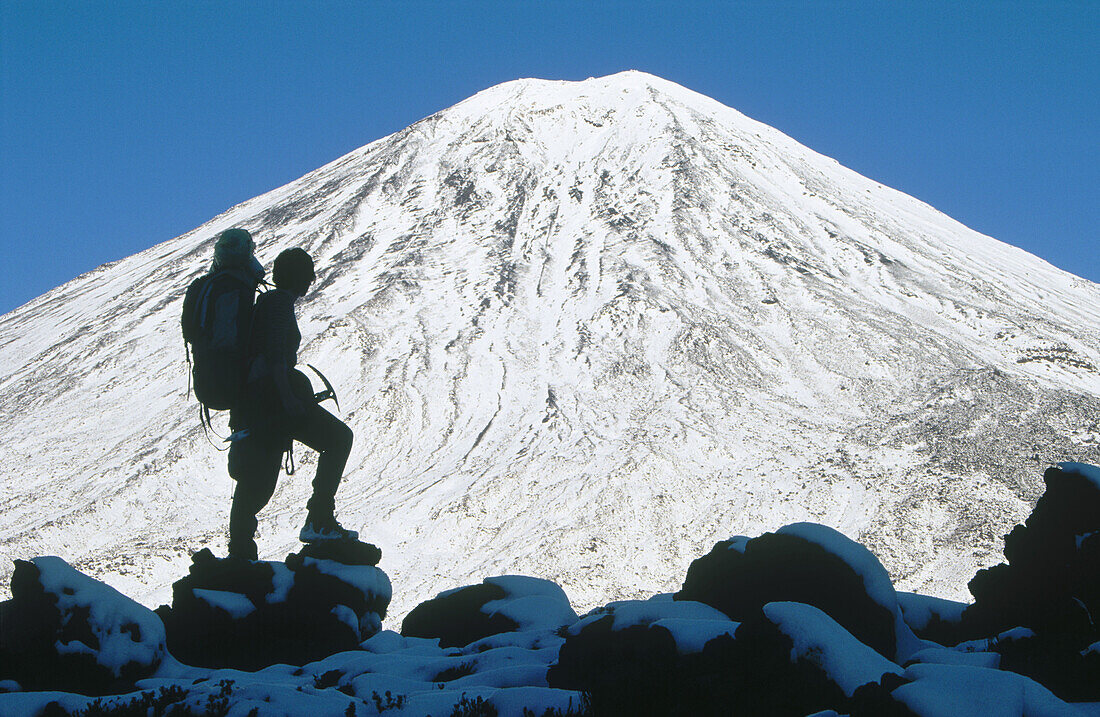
<point>234,249</point>
<point>293,271</point>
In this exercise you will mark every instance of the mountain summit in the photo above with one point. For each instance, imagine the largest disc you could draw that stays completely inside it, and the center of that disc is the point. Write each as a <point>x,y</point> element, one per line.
<point>582,330</point>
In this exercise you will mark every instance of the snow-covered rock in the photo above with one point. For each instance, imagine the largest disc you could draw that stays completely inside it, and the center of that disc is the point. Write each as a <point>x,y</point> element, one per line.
<point>819,641</point>
<point>660,656</point>
<point>692,625</point>
<point>647,657</point>
<point>792,658</point>
<point>932,618</point>
<point>505,603</point>
<point>954,656</point>
<point>655,656</point>
<point>238,613</point>
<point>953,690</point>
<point>810,564</point>
<point>63,630</point>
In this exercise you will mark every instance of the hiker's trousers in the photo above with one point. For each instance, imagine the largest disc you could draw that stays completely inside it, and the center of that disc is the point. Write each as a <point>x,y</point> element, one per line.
<point>254,462</point>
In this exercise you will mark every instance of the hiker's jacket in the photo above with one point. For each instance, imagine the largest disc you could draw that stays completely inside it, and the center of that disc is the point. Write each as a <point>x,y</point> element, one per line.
<point>273,346</point>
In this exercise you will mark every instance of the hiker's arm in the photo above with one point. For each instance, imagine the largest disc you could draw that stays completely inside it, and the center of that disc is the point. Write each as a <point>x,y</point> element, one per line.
<point>279,374</point>
<point>276,350</point>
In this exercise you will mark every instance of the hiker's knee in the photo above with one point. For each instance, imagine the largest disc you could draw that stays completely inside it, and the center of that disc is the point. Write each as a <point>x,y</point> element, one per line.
<point>338,437</point>
<point>344,437</point>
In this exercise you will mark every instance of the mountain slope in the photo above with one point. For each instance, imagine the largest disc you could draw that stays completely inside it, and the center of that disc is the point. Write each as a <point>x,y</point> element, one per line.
<point>581,331</point>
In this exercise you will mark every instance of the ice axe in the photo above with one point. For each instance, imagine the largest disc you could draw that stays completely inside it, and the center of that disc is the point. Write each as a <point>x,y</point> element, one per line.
<point>329,391</point>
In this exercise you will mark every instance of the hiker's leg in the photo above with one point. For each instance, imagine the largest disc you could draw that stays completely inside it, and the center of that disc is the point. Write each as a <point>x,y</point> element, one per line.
<point>255,466</point>
<point>331,438</point>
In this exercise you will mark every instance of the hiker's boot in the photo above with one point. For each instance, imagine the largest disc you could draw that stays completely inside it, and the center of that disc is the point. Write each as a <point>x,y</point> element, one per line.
<point>243,549</point>
<point>325,527</point>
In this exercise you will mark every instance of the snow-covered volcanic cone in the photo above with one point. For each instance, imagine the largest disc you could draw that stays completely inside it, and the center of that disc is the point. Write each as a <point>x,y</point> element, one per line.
<point>582,330</point>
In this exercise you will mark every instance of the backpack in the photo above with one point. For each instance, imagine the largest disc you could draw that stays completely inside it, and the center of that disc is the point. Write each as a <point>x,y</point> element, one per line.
<point>217,316</point>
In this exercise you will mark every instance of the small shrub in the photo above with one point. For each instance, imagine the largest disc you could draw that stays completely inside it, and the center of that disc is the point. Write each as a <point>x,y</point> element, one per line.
<point>453,673</point>
<point>163,702</point>
<point>583,709</point>
<point>389,703</point>
<point>466,707</point>
<point>217,704</point>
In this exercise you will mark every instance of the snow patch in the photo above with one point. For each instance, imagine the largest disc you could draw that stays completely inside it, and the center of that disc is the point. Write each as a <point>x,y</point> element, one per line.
<point>238,606</point>
<point>370,581</point>
<point>126,631</point>
<point>820,640</point>
<point>952,690</point>
<point>919,610</point>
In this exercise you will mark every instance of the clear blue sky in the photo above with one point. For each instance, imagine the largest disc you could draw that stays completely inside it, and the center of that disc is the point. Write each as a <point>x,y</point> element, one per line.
<point>124,124</point>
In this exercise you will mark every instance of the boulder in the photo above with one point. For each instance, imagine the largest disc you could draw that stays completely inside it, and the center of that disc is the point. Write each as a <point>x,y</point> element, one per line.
<point>792,658</point>
<point>1053,659</point>
<point>249,614</point>
<point>1051,582</point>
<point>345,552</point>
<point>810,564</point>
<point>932,618</point>
<point>500,604</point>
<point>655,656</point>
<point>63,630</point>
<point>1050,585</point>
<point>948,690</point>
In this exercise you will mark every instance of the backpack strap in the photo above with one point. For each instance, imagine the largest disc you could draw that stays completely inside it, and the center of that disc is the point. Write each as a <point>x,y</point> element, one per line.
<point>187,355</point>
<point>288,464</point>
<point>208,428</point>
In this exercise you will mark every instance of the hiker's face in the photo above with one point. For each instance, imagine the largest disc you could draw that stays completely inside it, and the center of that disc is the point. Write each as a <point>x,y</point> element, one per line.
<point>308,282</point>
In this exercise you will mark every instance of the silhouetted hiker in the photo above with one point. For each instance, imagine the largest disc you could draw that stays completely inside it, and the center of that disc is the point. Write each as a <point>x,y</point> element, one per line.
<point>279,407</point>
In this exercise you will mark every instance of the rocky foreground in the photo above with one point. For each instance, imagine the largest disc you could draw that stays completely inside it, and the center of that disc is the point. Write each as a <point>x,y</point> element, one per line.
<point>797,622</point>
